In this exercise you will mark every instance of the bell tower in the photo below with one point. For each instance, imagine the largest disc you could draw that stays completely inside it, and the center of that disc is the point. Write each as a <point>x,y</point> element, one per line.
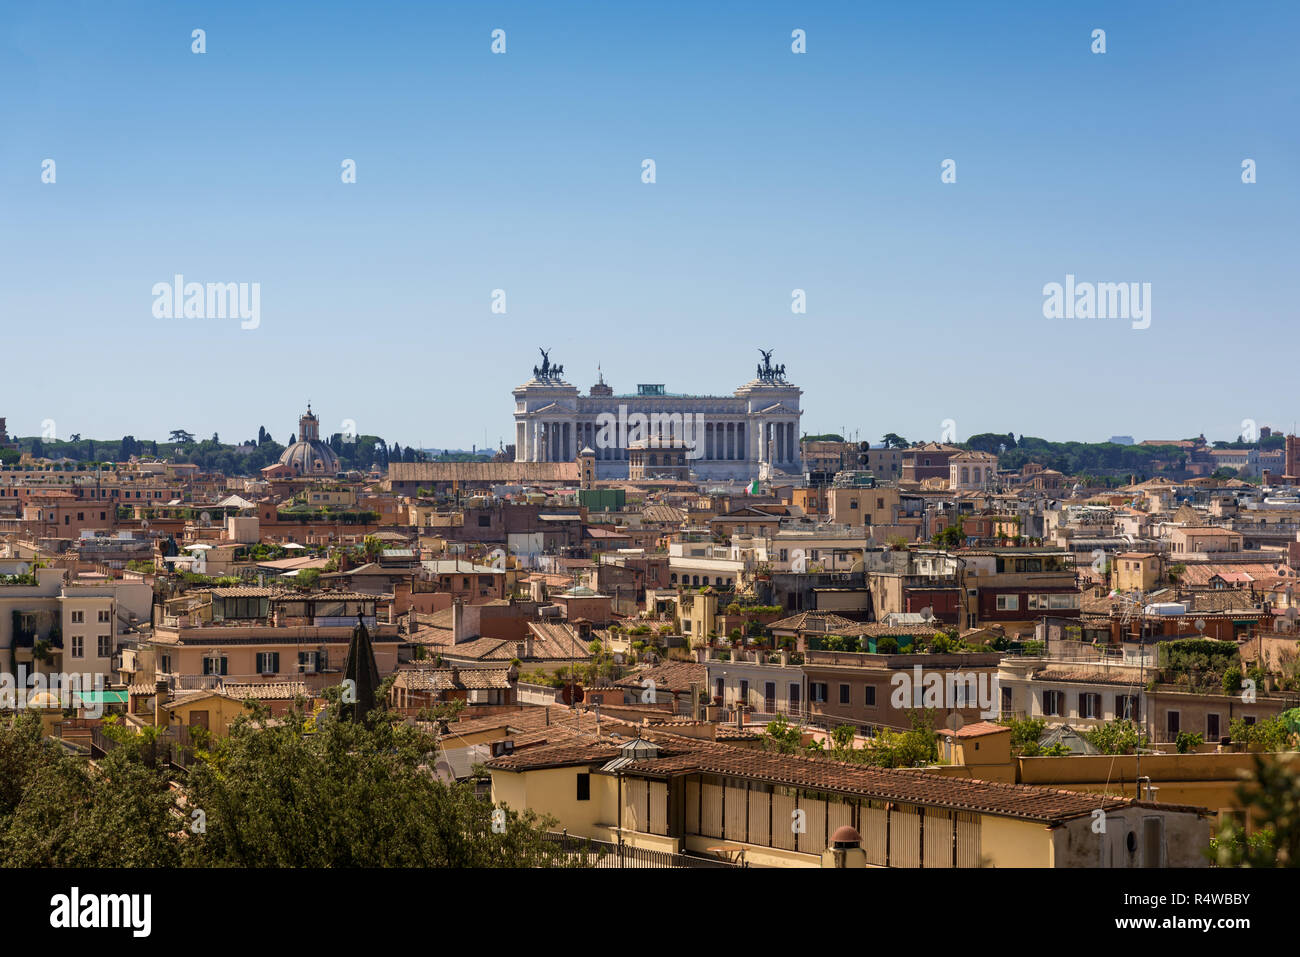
<point>308,426</point>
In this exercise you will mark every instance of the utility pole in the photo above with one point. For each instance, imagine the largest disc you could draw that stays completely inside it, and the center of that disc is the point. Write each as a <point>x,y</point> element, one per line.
<point>1142,670</point>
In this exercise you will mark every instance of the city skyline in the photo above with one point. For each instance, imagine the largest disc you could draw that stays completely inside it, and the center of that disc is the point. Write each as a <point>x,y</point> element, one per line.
<point>775,173</point>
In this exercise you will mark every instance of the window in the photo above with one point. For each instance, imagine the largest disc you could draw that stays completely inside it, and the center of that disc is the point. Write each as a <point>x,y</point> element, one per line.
<point>78,617</point>
<point>78,646</point>
<point>1126,707</point>
<point>844,694</point>
<point>816,691</point>
<point>769,697</point>
<point>717,687</point>
<point>268,662</point>
<point>584,787</point>
<point>794,697</point>
<point>215,665</point>
<point>484,521</point>
<point>1089,705</point>
<point>307,661</point>
<point>104,646</point>
<point>1212,728</point>
<point>1053,702</point>
<point>869,696</point>
<point>1171,724</point>
<point>1008,602</point>
<point>744,691</point>
<point>853,503</point>
<point>103,615</point>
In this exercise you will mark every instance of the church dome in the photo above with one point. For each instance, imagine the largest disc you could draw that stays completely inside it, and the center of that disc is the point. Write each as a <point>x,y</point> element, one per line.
<point>309,455</point>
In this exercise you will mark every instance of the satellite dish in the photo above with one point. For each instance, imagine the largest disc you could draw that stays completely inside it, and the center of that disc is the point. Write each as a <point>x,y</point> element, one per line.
<point>927,614</point>
<point>956,722</point>
<point>1200,624</point>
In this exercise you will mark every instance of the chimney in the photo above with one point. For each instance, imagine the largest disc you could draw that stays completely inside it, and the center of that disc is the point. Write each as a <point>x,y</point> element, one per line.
<point>1268,477</point>
<point>458,620</point>
<point>455,675</point>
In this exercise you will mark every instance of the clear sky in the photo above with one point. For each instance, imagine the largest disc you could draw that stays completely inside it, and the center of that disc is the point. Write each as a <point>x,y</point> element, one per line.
<point>522,172</point>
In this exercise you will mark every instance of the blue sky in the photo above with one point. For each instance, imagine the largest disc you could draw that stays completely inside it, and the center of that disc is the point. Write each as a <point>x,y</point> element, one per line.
<point>522,172</point>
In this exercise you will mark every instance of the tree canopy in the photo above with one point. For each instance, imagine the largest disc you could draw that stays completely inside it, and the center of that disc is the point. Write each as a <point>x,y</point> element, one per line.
<point>299,790</point>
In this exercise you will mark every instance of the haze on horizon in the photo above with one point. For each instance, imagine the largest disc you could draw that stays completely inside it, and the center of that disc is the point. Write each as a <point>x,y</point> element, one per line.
<point>775,172</point>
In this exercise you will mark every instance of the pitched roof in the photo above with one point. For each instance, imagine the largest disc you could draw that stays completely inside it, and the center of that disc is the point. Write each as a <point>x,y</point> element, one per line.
<point>825,622</point>
<point>673,676</point>
<point>501,473</point>
<point>681,756</point>
<point>977,730</point>
<point>443,679</point>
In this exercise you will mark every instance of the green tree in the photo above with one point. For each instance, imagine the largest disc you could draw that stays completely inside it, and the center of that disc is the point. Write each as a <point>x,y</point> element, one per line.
<point>1025,735</point>
<point>303,791</point>
<point>950,537</point>
<point>58,811</point>
<point>1116,737</point>
<point>1272,799</point>
<point>781,736</point>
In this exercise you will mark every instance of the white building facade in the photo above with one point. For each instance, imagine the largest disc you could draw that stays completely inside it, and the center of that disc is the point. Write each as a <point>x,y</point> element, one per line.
<point>751,434</point>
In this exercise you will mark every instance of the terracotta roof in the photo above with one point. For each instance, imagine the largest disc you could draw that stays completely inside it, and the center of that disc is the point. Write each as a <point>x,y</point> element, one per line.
<point>977,730</point>
<point>1085,676</point>
<point>663,515</point>
<point>481,649</point>
<point>565,754</point>
<point>876,629</point>
<point>672,676</point>
<point>911,786</point>
<point>1024,802</point>
<point>823,622</point>
<point>441,679</point>
<point>553,641</point>
<point>502,473</point>
<point>267,690</point>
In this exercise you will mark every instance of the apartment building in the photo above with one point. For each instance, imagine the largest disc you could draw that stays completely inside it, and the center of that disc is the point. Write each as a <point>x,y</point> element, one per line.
<point>879,691</point>
<point>243,633</point>
<point>52,623</point>
<point>672,793</point>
